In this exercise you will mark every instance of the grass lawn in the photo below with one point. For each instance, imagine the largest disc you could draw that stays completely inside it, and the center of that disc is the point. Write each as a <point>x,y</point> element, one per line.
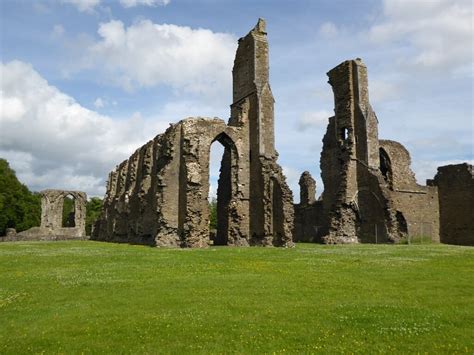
<point>91,297</point>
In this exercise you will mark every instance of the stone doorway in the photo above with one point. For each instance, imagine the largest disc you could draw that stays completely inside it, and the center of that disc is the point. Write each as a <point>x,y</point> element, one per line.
<point>225,185</point>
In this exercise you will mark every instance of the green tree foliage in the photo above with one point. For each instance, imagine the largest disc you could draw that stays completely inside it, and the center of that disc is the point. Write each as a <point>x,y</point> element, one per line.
<point>19,207</point>
<point>93,207</point>
<point>68,212</point>
<point>213,214</point>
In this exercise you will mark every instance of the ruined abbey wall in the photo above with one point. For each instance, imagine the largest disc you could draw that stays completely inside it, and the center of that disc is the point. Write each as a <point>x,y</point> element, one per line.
<point>52,228</point>
<point>370,193</point>
<point>357,203</point>
<point>418,204</point>
<point>159,196</point>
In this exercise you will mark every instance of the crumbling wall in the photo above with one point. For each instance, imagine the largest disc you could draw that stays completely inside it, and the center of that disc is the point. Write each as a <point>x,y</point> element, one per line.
<point>456,203</point>
<point>370,194</point>
<point>198,135</point>
<point>357,204</point>
<point>254,103</point>
<point>51,227</point>
<point>159,196</point>
<point>417,205</point>
<point>309,214</point>
<point>141,204</point>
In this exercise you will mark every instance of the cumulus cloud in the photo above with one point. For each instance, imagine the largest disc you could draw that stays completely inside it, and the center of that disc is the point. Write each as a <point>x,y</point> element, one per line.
<point>83,5</point>
<point>314,119</point>
<point>12,108</point>
<point>52,141</point>
<point>216,153</point>
<point>132,3</point>
<point>146,54</point>
<point>91,5</point>
<point>440,32</point>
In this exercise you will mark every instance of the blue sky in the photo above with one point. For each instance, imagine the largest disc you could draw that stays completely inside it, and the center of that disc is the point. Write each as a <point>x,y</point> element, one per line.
<point>86,82</point>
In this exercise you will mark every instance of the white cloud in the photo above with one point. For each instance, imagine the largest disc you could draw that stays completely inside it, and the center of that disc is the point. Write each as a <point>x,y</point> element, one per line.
<point>314,119</point>
<point>439,31</point>
<point>53,142</point>
<point>146,54</point>
<point>83,5</point>
<point>91,5</point>
<point>12,108</point>
<point>215,159</point>
<point>132,3</point>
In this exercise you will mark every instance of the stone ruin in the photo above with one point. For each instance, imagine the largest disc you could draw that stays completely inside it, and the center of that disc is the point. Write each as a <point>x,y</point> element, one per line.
<point>159,196</point>
<point>370,192</point>
<point>52,226</point>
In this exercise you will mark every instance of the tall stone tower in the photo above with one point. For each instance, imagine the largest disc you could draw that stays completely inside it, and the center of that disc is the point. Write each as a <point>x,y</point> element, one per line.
<point>253,106</point>
<point>356,201</point>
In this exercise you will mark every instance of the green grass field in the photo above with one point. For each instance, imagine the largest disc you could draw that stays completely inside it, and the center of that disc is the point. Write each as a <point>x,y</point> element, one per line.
<point>91,297</point>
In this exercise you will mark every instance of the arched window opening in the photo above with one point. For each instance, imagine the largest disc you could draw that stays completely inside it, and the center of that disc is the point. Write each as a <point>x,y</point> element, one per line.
<point>69,212</point>
<point>344,134</point>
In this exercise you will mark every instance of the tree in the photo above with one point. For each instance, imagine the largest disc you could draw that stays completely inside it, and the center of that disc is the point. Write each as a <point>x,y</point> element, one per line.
<point>213,214</point>
<point>93,209</point>
<point>68,212</point>
<point>19,207</point>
